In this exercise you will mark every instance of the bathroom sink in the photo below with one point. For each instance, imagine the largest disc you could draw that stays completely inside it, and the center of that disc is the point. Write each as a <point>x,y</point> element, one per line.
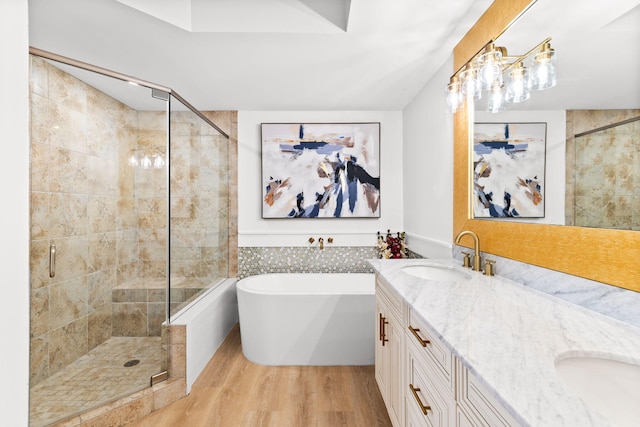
<point>436,272</point>
<point>609,387</point>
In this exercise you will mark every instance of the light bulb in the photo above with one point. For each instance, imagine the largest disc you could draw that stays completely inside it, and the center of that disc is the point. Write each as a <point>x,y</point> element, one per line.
<point>133,160</point>
<point>517,89</point>
<point>454,95</point>
<point>496,102</point>
<point>158,162</point>
<point>490,64</point>
<point>543,70</point>
<point>470,84</point>
<point>145,162</point>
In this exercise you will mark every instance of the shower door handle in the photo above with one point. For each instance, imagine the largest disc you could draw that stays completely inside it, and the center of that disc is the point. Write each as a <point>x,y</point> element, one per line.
<point>52,260</point>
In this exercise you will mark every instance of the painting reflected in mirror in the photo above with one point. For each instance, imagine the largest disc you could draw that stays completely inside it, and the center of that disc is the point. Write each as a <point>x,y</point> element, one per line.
<point>593,137</point>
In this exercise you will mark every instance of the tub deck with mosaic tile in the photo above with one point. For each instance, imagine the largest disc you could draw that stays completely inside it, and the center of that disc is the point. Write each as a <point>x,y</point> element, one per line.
<point>96,378</point>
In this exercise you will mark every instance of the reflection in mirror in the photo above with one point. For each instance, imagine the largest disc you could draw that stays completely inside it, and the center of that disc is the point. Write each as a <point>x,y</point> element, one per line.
<point>599,187</point>
<point>603,171</point>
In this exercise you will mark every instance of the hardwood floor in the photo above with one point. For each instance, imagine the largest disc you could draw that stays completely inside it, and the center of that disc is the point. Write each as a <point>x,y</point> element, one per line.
<point>231,391</point>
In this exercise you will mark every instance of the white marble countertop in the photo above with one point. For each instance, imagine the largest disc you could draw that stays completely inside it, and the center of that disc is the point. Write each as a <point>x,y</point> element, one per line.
<point>509,336</point>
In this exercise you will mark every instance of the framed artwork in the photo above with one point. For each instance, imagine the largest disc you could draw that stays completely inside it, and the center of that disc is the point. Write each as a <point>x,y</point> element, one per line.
<point>509,170</point>
<point>320,170</point>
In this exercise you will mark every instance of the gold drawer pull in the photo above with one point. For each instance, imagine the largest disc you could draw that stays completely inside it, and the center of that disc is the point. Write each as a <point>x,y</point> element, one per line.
<point>383,332</point>
<point>415,331</point>
<point>424,408</point>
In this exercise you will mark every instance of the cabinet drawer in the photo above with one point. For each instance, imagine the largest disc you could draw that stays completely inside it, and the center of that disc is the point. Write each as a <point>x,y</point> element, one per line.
<point>427,344</point>
<point>424,395</point>
<point>392,300</point>
<point>483,408</point>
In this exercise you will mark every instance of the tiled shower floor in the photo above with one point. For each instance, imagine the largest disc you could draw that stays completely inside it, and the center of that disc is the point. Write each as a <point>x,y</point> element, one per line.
<point>95,378</point>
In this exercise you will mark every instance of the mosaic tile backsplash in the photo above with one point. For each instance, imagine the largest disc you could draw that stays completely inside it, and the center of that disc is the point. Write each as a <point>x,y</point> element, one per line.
<point>346,259</point>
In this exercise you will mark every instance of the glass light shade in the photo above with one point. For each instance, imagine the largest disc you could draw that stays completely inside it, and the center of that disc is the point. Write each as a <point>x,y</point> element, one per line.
<point>490,65</point>
<point>496,102</point>
<point>543,71</point>
<point>133,160</point>
<point>145,162</point>
<point>158,162</point>
<point>517,89</point>
<point>470,83</point>
<point>454,95</point>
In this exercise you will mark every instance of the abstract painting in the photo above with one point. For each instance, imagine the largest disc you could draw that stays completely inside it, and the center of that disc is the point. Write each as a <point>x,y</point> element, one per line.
<point>509,170</point>
<point>320,170</point>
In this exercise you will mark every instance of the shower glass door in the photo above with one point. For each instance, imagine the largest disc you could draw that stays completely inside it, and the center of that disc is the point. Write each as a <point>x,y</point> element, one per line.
<point>199,205</point>
<point>98,239</point>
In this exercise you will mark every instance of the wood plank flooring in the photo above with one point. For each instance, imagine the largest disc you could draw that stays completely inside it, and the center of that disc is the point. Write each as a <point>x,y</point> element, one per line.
<point>231,391</point>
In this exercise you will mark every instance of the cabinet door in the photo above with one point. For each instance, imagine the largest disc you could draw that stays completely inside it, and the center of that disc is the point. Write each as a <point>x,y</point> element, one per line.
<point>389,360</point>
<point>381,355</point>
<point>395,351</point>
<point>426,397</point>
<point>462,420</point>
<point>482,408</point>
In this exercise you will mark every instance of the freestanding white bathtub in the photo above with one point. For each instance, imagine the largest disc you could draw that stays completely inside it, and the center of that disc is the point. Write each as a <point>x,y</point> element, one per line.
<point>308,319</point>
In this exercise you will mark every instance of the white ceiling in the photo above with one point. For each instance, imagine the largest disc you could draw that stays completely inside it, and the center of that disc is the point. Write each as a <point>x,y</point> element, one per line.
<point>332,54</point>
<point>263,54</point>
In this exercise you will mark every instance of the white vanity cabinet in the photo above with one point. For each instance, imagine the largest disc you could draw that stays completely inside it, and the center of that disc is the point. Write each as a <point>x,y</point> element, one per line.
<point>477,403</point>
<point>389,354</point>
<point>430,377</point>
<point>421,381</point>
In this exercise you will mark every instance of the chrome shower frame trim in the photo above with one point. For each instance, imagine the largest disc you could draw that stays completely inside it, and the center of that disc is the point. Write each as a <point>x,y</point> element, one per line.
<point>114,74</point>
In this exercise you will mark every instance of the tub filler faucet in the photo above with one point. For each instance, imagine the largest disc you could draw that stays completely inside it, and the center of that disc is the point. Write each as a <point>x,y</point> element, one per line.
<point>321,241</point>
<point>476,248</point>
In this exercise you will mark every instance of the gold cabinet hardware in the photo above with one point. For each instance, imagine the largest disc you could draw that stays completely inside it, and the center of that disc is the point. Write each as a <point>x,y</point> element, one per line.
<point>383,332</point>
<point>488,267</point>
<point>466,261</point>
<point>311,240</point>
<point>424,408</point>
<point>422,341</point>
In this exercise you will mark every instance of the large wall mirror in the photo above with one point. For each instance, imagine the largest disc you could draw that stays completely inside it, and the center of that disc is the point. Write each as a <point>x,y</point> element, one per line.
<point>588,229</point>
<point>591,115</point>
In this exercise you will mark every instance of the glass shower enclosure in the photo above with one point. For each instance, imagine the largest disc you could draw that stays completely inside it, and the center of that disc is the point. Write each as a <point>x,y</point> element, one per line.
<point>129,225</point>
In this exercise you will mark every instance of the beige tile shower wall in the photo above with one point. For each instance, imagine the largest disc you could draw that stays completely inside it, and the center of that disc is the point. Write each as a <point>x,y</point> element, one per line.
<point>228,122</point>
<point>151,195</point>
<point>80,200</point>
<point>603,170</point>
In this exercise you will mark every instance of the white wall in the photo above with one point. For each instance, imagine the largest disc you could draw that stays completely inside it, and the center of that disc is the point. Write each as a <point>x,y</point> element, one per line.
<point>255,231</point>
<point>14,215</point>
<point>555,157</point>
<point>428,169</point>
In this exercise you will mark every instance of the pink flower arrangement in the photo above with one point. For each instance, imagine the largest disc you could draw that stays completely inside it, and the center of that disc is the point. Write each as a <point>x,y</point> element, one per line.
<point>391,247</point>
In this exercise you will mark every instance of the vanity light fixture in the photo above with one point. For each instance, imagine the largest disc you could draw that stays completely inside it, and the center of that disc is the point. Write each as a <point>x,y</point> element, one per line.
<point>505,77</point>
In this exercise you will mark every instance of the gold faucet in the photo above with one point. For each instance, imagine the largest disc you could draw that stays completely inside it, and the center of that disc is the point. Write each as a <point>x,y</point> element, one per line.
<point>476,246</point>
<point>321,241</point>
